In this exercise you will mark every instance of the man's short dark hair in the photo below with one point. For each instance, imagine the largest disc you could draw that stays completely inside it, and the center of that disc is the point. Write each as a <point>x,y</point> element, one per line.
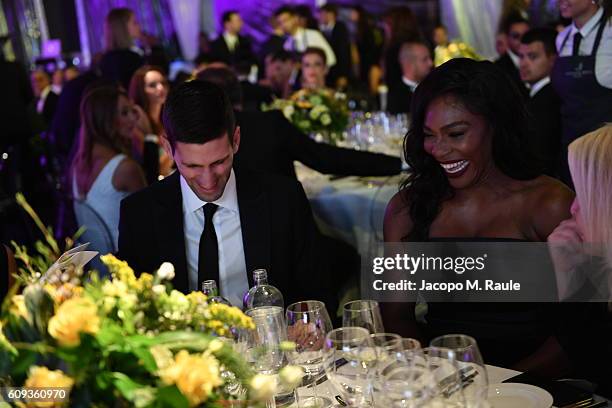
<point>197,112</point>
<point>330,8</point>
<point>284,9</point>
<point>281,55</point>
<point>226,79</point>
<point>512,19</point>
<point>316,51</point>
<point>227,16</point>
<point>547,36</point>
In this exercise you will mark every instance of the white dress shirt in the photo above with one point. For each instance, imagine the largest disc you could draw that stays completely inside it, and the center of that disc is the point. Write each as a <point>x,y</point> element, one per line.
<point>40,104</point>
<point>537,87</point>
<point>231,40</point>
<point>603,59</point>
<point>232,264</point>
<point>410,83</point>
<point>304,38</point>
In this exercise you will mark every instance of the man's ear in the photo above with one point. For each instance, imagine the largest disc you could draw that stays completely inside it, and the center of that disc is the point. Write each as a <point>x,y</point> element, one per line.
<point>236,139</point>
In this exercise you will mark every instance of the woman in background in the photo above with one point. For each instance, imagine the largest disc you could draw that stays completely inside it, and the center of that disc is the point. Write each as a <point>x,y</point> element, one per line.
<point>148,92</point>
<point>103,173</point>
<point>121,56</point>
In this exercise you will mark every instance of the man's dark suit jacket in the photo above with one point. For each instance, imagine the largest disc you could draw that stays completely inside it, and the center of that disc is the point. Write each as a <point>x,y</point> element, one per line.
<point>243,53</point>
<point>505,64</point>
<point>278,233</point>
<point>270,143</point>
<point>399,98</point>
<point>254,95</point>
<point>340,41</point>
<point>544,109</point>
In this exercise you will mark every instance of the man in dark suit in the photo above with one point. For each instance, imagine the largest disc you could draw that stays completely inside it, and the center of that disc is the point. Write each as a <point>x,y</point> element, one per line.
<point>415,62</point>
<point>537,58</point>
<point>270,143</point>
<point>216,222</point>
<point>231,47</point>
<point>514,26</point>
<point>339,38</point>
<point>45,100</point>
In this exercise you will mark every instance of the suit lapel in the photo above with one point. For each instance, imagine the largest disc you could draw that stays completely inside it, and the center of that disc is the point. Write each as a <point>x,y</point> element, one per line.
<point>254,222</point>
<point>168,215</point>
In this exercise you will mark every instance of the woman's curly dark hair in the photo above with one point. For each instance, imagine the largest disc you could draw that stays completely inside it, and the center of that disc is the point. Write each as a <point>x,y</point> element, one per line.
<point>484,90</point>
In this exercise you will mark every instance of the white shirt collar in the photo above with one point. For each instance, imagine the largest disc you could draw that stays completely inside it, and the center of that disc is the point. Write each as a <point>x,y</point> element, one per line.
<point>229,198</point>
<point>590,25</point>
<point>230,37</point>
<point>299,32</point>
<point>410,83</point>
<point>515,58</point>
<point>537,87</point>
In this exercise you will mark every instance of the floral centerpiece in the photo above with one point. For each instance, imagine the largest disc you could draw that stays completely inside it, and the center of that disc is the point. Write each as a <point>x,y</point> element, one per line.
<point>125,340</point>
<point>316,112</point>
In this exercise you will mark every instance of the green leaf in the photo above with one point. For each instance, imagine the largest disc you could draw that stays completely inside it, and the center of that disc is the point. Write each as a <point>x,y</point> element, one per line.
<point>146,358</point>
<point>125,385</point>
<point>23,362</point>
<point>170,397</point>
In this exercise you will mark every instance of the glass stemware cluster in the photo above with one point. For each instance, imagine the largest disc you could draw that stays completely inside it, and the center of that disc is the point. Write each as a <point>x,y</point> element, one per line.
<point>359,365</point>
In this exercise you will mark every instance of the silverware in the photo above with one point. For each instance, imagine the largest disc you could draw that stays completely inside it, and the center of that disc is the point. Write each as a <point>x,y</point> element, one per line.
<point>341,401</point>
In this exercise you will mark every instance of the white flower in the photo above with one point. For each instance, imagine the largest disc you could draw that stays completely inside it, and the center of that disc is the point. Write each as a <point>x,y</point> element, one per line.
<point>166,271</point>
<point>263,387</point>
<point>316,112</point>
<point>325,119</point>
<point>291,376</point>
<point>288,111</point>
<point>159,289</point>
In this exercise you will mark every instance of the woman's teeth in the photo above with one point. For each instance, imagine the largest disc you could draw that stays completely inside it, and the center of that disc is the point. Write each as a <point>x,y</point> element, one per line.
<point>455,167</point>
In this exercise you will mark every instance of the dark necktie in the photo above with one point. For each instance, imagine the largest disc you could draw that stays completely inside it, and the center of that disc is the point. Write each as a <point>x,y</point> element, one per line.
<point>577,41</point>
<point>208,259</point>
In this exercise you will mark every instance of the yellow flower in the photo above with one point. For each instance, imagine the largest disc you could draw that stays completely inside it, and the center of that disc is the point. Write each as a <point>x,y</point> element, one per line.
<point>163,356</point>
<point>119,269</point>
<point>75,316</point>
<point>18,307</point>
<point>291,376</point>
<point>196,376</point>
<point>42,377</point>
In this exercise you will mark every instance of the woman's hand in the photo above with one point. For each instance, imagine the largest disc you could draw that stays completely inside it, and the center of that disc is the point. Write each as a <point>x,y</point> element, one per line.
<point>143,123</point>
<point>565,245</point>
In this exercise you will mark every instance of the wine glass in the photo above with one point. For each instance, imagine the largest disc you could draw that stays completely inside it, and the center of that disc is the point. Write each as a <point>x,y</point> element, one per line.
<point>385,347</point>
<point>406,384</point>
<point>446,385</point>
<point>307,325</point>
<point>363,313</point>
<point>349,364</point>
<point>473,374</point>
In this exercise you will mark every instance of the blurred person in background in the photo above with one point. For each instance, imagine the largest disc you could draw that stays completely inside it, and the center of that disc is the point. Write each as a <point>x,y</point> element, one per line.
<point>445,49</point>
<point>231,47</point>
<point>415,61</point>
<point>301,38</point>
<point>148,91</point>
<point>369,42</point>
<point>275,41</point>
<point>281,72</point>
<point>102,171</point>
<point>339,39</point>
<point>514,26</point>
<point>400,26</point>
<point>537,57</point>
<point>121,57</point>
<point>314,69</point>
<point>45,100</point>
<point>305,18</point>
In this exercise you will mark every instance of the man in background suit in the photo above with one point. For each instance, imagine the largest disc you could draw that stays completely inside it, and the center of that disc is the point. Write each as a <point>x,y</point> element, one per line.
<point>416,63</point>
<point>216,222</point>
<point>537,55</point>
<point>45,99</point>
<point>514,26</point>
<point>339,39</point>
<point>231,47</point>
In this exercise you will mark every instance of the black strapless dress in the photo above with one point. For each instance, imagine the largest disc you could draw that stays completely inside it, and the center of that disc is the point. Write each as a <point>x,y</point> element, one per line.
<point>505,332</point>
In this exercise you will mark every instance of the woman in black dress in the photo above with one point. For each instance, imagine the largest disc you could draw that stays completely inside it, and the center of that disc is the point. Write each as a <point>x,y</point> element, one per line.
<point>472,179</point>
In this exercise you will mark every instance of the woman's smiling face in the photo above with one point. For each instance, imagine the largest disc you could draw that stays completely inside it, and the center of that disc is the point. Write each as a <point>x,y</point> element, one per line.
<point>460,141</point>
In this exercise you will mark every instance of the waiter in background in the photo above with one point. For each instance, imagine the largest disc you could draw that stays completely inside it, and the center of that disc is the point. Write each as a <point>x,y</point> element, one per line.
<point>582,75</point>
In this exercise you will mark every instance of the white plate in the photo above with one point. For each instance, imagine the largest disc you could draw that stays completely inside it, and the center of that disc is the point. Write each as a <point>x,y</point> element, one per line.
<point>513,395</point>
